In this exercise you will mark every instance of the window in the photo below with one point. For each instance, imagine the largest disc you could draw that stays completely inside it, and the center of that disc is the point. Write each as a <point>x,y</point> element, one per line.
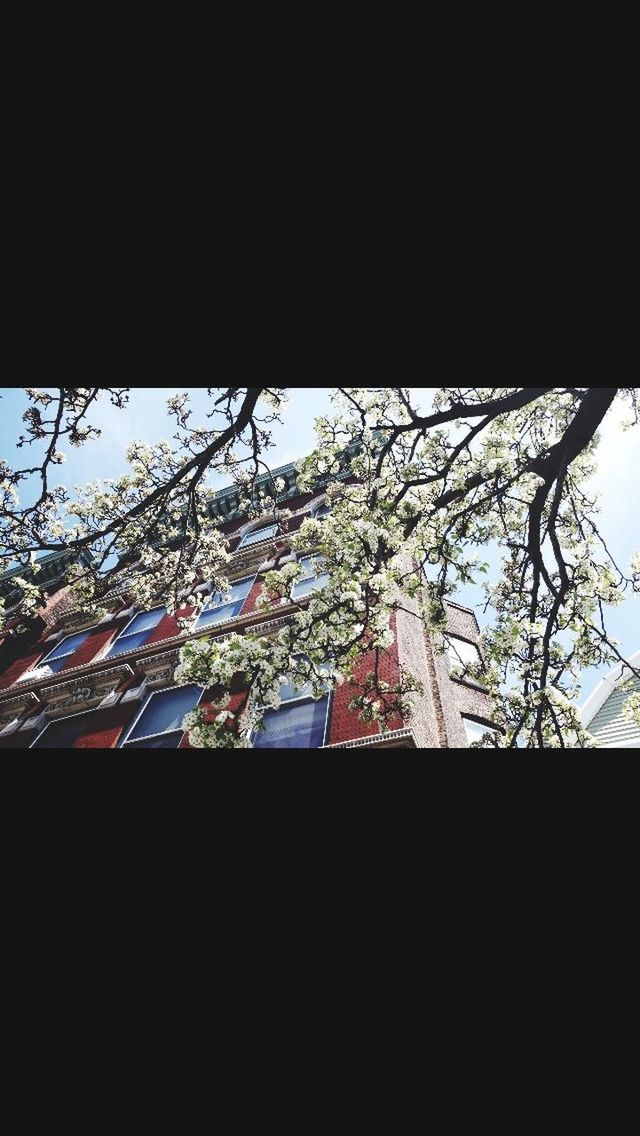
<point>310,582</point>
<point>219,607</point>
<point>64,733</point>
<point>299,723</point>
<point>322,510</point>
<point>476,730</point>
<point>159,724</point>
<point>462,654</point>
<point>59,657</point>
<point>137,632</point>
<point>257,535</point>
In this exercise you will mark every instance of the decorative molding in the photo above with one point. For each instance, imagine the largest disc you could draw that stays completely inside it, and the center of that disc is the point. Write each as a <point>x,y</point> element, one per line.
<point>379,741</point>
<point>269,627</point>
<point>84,693</point>
<point>38,723</point>
<point>159,669</point>
<point>17,706</point>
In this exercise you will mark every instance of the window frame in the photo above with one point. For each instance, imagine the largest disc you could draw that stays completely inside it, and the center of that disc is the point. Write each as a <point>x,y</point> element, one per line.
<point>215,607</point>
<point>56,721</point>
<point>121,634</point>
<point>67,654</point>
<point>459,663</point>
<point>161,690</point>
<point>299,701</point>
<point>299,559</point>
<point>275,527</point>
<point>483,724</point>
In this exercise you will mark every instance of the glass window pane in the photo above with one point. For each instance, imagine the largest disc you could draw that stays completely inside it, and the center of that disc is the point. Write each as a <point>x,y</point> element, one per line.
<point>128,643</point>
<point>322,511</point>
<point>238,591</point>
<point>475,730</point>
<point>165,710</point>
<point>303,587</point>
<point>145,621</point>
<point>68,645</point>
<point>63,734</point>
<point>306,563</point>
<point>462,653</point>
<point>288,691</point>
<point>56,665</point>
<point>219,614</point>
<point>258,535</point>
<point>300,725</point>
<point>165,741</point>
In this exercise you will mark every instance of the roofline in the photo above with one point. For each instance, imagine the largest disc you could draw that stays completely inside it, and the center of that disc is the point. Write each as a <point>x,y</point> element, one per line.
<point>605,687</point>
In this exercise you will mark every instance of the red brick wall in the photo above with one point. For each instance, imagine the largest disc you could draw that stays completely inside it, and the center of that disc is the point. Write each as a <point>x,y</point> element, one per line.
<point>252,598</point>
<point>205,704</point>
<point>20,666</point>
<point>109,725</point>
<point>167,627</point>
<point>89,649</point>
<point>346,724</point>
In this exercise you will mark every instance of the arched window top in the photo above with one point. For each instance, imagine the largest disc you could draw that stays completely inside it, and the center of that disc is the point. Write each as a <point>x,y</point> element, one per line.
<point>257,532</point>
<point>320,508</point>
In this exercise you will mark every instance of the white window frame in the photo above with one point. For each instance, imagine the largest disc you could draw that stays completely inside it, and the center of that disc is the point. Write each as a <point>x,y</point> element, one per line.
<point>316,509</point>
<point>292,702</point>
<point>163,690</point>
<point>299,559</point>
<point>251,532</point>
<point>484,726</point>
<point>122,635</point>
<point>43,662</point>
<point>214,607</point>
<point>55,721</point>
<point>459,662</point>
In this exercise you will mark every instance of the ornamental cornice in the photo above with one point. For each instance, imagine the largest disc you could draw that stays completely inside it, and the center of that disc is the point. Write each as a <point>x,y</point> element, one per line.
<point>159,669</point>
<point>13,708</point>
<point>84,692</point>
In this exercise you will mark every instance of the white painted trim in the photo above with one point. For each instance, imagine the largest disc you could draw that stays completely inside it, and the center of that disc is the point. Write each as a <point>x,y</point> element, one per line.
<point>605,687</point>
<point>163,690</point>
<point>253,527</point>
<point>300,702</point>
<point>65,654</point>
<point>55,721</point>
<point>208,606</point>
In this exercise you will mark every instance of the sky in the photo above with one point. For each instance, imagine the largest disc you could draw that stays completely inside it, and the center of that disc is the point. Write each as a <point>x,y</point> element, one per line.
<point>617,480</point>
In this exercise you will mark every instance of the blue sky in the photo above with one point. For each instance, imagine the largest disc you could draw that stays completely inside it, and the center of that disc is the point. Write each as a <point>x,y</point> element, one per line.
<point>618,478</point>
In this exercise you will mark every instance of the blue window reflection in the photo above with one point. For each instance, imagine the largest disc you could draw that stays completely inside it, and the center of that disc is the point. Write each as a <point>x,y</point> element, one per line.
<point>221,607</point>
<point>298,725</point>
<point>257,535</point>
<point>160,724</point>
<point>138,631</point>
<point>310,582</point>
<point>64,733</point>
<point>60,655</point>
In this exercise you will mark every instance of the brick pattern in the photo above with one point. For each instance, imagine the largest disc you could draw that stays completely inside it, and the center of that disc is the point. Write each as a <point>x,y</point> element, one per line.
<point>109,726</point>
<point>90,649</point>
<point>20,666</point>
<point>167,628</point>
<point>253,597</point>
<point>346,725</point>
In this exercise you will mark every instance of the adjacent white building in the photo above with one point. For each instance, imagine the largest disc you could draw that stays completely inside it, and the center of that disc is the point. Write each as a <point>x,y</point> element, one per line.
<point>602,712</point>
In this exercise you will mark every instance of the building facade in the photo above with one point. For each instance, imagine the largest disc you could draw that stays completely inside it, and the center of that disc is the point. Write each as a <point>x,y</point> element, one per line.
<point>69,682</point>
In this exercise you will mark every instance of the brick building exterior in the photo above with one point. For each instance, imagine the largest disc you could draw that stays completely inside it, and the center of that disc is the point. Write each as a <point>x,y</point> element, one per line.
<point>67,682</point>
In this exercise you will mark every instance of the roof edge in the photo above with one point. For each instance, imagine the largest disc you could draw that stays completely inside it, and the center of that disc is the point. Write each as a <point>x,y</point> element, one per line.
<point>605,687</point>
